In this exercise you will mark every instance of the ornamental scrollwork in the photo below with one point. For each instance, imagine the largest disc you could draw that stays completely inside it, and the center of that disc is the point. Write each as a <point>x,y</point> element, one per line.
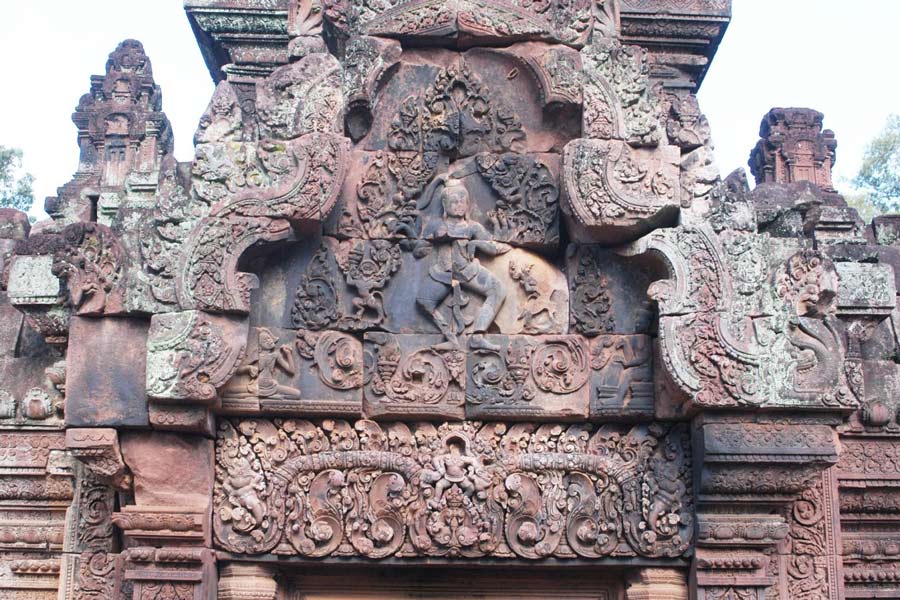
<point>467,489</point>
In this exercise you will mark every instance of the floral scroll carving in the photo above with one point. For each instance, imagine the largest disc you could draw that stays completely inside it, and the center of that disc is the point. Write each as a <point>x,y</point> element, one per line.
<point>260,191</point>
<point>506,20</point>
<point>714,349</point>
<point>332,488</point>
<point>91,262</point>
<point>210,280</point>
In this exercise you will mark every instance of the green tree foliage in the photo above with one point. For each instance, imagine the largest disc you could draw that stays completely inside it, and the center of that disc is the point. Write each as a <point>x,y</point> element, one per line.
<point>880,171</point>
<point>15,189</point>
<point>863,205</point>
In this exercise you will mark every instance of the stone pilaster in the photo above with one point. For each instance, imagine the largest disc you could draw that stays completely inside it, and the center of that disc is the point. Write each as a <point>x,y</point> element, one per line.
<point>657,584</point>
<point>761,497</point>
<point>241,581</point>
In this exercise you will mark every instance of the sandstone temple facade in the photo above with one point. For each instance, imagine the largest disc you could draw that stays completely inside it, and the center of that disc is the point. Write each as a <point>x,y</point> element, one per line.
<point>451,302</point>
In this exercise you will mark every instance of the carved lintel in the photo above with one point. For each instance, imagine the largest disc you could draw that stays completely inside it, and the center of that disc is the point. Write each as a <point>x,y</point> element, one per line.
<point>433,490</point>
<point>99,450</point>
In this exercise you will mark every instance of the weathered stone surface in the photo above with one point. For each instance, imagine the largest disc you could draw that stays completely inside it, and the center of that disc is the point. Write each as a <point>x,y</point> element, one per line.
<point>607,292</point>
<point>298,372</point>
<point>615,192</point>
<point>865,289</point>
<point>99,450</point>
<point>466,23</point>
<point>622,377</point>
<point>432,487</point>
<point>114,396</point>
<point>32,282</point>
<point>169,469</point>
<point>190,354</point>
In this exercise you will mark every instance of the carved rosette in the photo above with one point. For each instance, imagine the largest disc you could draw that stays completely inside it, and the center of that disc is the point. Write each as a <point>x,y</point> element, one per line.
<point>459,490</point>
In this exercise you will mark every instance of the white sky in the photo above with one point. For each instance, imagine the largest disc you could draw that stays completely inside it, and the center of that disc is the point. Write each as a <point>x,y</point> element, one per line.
<point>836,56</point>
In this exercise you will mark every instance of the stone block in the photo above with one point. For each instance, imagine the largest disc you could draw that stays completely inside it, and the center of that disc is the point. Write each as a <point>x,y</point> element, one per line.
<point>99,450</point>
<point>413,376</point>
<point>607,293</point>
<point>513,196</point>
<point>32,282</point>
<point>886,229</point>
<point>163,525</point>
<point>400,285</point>
<point>527,377</point>
<point>622,377</point>
<point>11,321</point>
<point>191,353</point>
<point>14,224</point>
<point>114,394</point>
<point>475,22</point>
<point>865,289</point>
<point>620,101</point>
<point>299,372</point>
<point>190,418</point>
<point>838,224</point>
<point>613,192</point>
<point>169,469</point>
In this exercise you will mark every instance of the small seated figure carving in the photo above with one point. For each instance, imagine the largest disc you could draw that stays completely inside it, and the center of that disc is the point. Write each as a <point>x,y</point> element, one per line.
<point>618,359</point>
<point>257,377</point>
<point>273,358</point>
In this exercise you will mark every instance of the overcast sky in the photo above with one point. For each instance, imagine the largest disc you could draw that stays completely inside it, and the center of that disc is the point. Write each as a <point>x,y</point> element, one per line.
<point>836,56</point>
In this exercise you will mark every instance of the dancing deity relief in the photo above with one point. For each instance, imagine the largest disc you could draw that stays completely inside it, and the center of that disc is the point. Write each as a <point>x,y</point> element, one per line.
<point>457,242</point>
